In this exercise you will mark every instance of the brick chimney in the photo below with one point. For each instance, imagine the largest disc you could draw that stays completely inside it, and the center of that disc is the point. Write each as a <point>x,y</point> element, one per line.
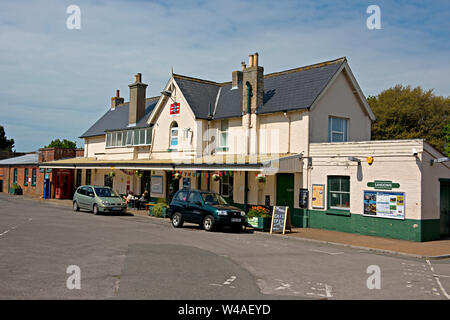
<point>117,100</point>
<point>253,82</point>
<point>236,78</point>
<point>137,100</point>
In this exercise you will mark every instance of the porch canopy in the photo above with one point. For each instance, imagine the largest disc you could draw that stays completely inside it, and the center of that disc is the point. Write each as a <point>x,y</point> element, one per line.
<point>269,164</point>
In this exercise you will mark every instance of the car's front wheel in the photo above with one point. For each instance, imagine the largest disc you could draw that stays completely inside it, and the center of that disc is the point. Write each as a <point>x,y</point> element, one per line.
<point>177,220</point>
<point>95,209</point>
<point>75,206</point>
<point>208,223</point>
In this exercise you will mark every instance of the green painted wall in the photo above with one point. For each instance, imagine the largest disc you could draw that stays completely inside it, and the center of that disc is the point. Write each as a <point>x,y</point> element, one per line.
<point>408,229</point>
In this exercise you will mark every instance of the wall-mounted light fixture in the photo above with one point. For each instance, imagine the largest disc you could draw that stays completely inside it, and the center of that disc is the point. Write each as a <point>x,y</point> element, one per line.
<point>354,159</point>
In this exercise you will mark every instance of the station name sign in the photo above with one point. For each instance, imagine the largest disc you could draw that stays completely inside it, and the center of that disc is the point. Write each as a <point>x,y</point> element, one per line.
<point>383,185</point>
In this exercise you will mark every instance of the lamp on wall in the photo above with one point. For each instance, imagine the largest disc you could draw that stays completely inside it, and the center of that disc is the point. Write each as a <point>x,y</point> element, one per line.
<point>168,93</point>
<point>354,159</point>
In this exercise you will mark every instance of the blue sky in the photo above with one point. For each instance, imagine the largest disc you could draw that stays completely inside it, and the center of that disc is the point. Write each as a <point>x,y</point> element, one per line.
<point>56,82</point>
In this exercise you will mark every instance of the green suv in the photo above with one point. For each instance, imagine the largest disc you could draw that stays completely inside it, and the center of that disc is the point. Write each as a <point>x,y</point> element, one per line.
<point>206,208</point>
<point>98,199</point>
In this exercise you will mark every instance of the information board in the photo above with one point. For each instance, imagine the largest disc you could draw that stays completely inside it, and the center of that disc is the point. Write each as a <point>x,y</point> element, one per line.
<point>156,184</point>
<point>317,196</point>
<point>384,204</point>
<point>281,219</point>
<point>303,198</point>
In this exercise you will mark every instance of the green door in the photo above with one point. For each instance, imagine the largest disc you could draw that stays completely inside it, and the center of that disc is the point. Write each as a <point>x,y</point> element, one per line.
<point>445,209</point>
<point>285,190</point>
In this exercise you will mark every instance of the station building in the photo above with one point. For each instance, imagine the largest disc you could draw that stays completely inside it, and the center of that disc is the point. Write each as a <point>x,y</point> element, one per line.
<point>299,138</point>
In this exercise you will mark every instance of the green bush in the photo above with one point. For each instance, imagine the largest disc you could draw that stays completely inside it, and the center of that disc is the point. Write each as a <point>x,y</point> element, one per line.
<point>162,200</point>
<point>157,210</point>
<point>15,186</point>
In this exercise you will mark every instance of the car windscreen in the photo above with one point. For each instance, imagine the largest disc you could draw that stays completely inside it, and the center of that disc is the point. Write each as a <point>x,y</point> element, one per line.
<point>213,198</point>
<point>105,192</point>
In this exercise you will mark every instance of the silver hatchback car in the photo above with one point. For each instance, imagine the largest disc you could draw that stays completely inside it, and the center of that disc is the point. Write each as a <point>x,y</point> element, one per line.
<point>98,199</point>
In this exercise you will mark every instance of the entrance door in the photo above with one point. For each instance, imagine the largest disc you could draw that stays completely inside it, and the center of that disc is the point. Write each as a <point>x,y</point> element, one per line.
<point>445,209</point>
<point>172,186</point>
<point>145,181</point>
<point>285,190</point>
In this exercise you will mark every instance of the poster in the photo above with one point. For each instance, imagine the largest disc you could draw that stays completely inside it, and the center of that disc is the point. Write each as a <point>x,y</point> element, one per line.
<point>318,191</point>
<point>156,184</point>
<point>384,204</point>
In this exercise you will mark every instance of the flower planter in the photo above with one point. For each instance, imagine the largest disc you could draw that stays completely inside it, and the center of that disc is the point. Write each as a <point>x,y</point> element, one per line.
<point>259,223</point>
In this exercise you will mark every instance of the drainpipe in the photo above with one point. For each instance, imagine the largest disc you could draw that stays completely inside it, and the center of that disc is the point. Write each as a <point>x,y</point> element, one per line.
<point>249,116</point>
<point>289,131</point>
<point>246,192</point>
<point>9,177</point>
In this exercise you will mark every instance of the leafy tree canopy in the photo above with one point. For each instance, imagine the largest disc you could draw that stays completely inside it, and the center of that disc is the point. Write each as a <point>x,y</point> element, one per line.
<point>405,113</point>
<point>66,144</point>
<point>447,139</point>
<point>5,144</point>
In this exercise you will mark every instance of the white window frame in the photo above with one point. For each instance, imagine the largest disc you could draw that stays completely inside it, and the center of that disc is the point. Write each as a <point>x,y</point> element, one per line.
<point>344,133</point>
<point>126,138</point>
<point>223,132</point>
<point>172,130</point>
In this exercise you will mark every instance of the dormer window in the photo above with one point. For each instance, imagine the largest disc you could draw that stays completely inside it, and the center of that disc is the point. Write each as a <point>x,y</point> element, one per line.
<point>129,138</point>
<point>174,135</point>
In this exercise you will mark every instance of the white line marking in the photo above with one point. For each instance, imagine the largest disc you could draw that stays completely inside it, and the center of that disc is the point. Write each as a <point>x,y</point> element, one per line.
<point>440,275</point>
<point>328,291</point>
<point>327,252</point>
<point>439,282</point>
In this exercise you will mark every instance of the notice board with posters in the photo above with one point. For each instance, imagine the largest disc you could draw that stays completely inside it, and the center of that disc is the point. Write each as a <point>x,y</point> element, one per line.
<point>318,191</point>
<point>281,219</point>
<point>384,204</point>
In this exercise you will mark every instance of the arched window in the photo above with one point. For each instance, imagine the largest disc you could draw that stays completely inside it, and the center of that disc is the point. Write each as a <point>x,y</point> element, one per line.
<point>174,135</point>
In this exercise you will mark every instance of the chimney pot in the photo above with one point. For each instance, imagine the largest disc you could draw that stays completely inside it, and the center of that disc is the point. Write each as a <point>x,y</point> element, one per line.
<point>243,65</point>
<point>117,93</point>
<point>255,59</point>
<point>250,61</point>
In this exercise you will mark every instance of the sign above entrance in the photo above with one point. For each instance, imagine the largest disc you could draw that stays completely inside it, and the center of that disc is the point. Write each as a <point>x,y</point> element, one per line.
<point>383,185</point>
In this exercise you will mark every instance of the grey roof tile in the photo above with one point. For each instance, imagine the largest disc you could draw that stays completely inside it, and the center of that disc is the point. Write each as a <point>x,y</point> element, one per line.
<point>118,119</point>
<point>31,158</point>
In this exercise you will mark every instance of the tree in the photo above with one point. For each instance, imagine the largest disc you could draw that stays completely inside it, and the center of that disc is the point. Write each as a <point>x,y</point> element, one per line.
<point>447,139</point>
<point>66,144</point>
<point>5,144</point>
<point>405,113</point>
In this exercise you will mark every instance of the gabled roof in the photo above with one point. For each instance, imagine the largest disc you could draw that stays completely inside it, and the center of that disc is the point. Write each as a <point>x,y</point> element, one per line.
<point>283,91</point>
<point>31,158</point>
<point>117,119</point>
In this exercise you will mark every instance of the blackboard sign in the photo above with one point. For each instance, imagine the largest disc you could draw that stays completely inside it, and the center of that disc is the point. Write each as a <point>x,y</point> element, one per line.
<point>303,199</point>
<point>281,219</point>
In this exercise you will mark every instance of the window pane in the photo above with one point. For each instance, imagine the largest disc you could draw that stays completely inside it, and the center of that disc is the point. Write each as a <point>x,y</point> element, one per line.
<point>148,136</point>
<point>224,139</point>
<point>129,137</point>
<point>136,137</point>
<point>345,200</point>
<point>337,125</point>
<point>119,138</point>
<point>335,199</point>
<point>224,125</point>
<point>124,138</point>
<point>337,137</point>
<point>142,136</point>
<point>345,184</point>
<point>334,184</point>
<point>113,139</point>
